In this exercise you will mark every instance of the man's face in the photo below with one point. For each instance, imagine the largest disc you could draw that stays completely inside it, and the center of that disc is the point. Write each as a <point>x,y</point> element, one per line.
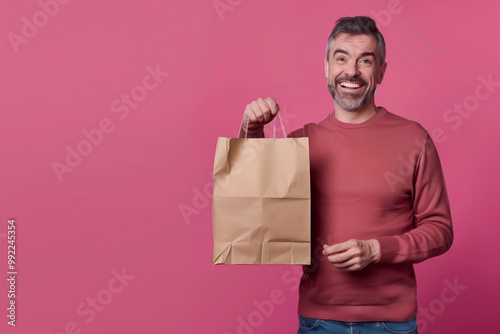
<point>353,70</point>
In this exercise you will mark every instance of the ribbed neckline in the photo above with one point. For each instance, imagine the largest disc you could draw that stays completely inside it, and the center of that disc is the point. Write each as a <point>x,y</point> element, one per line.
<point>381,112</point>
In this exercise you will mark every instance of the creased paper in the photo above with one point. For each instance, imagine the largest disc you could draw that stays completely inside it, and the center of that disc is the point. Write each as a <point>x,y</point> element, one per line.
<point>261,201</point>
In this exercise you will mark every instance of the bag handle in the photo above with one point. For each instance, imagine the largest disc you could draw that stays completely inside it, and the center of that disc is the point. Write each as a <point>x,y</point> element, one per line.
<point>274,127</point>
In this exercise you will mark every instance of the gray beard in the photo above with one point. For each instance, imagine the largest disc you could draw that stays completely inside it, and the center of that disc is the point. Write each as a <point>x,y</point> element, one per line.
<point>353,102</point>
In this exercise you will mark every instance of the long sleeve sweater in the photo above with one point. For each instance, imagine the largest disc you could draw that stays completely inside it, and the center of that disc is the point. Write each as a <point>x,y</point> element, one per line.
<point>380,179</point>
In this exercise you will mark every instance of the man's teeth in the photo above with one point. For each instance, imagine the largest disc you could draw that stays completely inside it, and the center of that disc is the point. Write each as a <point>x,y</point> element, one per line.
<point>350,85</point>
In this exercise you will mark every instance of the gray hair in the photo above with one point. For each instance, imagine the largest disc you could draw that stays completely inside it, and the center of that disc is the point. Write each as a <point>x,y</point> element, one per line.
<point>357,25</point>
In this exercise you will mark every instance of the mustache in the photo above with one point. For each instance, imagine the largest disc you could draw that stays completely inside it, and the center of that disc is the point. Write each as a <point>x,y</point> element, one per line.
<point>351,79</point>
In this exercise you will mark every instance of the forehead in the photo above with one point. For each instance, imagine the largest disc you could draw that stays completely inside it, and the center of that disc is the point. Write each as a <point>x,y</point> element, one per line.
<point>355,44</point>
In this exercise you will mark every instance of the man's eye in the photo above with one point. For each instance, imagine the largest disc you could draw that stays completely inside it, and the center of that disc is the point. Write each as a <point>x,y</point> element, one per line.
<point>340,59</point>
<point>366,61</point>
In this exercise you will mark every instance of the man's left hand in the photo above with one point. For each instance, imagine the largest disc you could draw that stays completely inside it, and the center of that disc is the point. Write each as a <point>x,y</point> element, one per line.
<point>353,254</point>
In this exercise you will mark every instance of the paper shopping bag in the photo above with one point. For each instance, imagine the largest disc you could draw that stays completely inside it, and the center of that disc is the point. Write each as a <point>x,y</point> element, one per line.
<point>261,201</point>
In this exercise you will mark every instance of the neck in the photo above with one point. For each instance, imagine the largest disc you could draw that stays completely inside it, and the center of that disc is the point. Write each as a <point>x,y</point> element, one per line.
<point>358,116</point>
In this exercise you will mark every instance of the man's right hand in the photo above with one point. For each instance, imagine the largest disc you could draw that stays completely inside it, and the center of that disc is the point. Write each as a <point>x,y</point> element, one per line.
<point>257,114</point>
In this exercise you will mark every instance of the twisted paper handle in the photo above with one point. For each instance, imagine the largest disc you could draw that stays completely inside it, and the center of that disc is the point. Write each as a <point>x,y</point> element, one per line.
<point>274,127</point>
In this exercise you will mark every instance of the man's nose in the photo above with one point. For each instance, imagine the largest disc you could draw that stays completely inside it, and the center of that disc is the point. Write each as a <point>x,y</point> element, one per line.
<point>352,68</point>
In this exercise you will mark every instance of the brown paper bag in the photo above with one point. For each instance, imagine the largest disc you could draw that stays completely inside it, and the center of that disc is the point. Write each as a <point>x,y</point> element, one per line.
<point>261,201</point>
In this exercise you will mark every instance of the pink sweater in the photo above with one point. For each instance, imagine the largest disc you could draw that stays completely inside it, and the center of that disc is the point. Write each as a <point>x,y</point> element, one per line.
<point>378,179</point>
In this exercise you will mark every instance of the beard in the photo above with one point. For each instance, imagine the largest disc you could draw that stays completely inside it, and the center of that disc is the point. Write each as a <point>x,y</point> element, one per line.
<point>350,101</point>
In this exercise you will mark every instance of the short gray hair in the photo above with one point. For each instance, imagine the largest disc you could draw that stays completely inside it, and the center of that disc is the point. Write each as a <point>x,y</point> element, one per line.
<point>357,25</point>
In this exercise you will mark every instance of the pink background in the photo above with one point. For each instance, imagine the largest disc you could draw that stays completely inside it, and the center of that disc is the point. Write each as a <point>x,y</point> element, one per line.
<point>119,209</point>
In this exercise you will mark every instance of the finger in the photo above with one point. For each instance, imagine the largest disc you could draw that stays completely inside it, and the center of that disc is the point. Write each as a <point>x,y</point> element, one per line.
<point>345,264</point>
<point>257,111</point>
<point>254,122</point>
<point>339,258</point>
<point>344,256</point>
<point>249,116</point>
<point>355,263</point>
<point>266,110</point>
<point>340,247</point>
<point>354,267</point>
<point>272,105</point>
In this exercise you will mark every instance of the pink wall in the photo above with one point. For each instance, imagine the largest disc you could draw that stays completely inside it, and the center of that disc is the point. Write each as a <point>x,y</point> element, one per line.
<point>84,70</point>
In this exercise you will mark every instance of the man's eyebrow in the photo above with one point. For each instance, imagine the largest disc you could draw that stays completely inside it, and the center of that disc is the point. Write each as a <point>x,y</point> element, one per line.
<point>341,51</point>
<point>366,54</point>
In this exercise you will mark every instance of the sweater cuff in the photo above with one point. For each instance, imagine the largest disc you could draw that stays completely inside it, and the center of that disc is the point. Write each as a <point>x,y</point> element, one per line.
<point>389,249</point>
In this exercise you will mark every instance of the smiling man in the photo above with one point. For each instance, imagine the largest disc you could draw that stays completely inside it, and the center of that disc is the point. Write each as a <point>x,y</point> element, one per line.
<point>378,196</point>
<point>354,74</point>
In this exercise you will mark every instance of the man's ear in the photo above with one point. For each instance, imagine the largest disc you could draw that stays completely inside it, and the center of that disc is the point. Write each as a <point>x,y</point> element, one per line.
<point>381,73</point>
<point>327,68</point>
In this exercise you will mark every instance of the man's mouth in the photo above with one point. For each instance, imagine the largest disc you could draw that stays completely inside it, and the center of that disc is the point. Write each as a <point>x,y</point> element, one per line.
<point>352,85</point>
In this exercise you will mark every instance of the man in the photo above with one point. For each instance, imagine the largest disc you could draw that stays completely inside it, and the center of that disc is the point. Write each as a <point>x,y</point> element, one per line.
<point>378,196</point>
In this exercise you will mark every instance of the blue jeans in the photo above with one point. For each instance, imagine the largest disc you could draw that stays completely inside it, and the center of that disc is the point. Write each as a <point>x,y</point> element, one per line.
<point>318,326</point>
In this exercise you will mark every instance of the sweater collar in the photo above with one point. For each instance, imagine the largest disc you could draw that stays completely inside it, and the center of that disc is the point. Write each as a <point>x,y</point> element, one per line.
<point>381,112</point>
